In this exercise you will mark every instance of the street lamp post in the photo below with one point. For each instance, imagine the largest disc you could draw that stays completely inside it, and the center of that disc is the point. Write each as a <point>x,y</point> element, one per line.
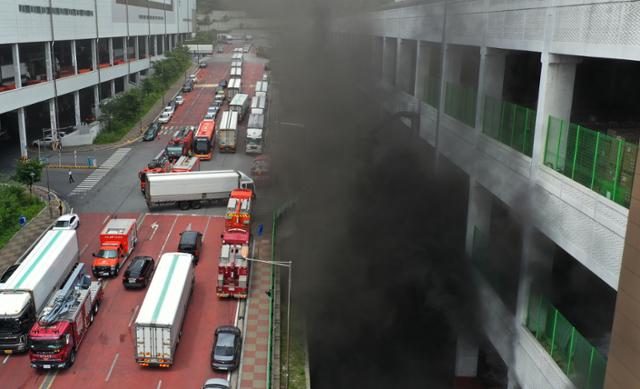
<point>32,174</point>
<point>48,189</point>
<point>289,266</point>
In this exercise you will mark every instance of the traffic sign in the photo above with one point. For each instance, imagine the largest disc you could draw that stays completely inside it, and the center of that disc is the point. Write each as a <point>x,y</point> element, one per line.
<point>260,229</point>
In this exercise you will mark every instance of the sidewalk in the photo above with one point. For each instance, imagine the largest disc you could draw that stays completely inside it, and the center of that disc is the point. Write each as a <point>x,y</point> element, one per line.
<point>24,238</point>
<point>136,132</point>
<point>255,350</point>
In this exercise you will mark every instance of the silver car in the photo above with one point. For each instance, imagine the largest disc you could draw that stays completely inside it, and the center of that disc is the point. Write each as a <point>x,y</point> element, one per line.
<point>216,383</point>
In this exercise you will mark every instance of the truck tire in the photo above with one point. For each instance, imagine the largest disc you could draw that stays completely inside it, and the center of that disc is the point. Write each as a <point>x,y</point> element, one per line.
<point>72,358</point>
<point>96,307</point>
<point>196,204</point>
<point>183,205</point>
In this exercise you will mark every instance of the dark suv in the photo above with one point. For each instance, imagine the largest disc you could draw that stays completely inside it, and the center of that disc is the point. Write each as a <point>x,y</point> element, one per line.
<point>139,272</point>
<point>187,87</point>
<point>191,243</point>
<point>152,131</point>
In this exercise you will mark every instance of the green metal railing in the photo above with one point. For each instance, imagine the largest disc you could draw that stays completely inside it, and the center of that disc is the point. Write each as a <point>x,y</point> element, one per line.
<point>579,360</point>
<point>432,91</point>
<point>460,103</point>
<point>510,124</point>
<point>600,162</point>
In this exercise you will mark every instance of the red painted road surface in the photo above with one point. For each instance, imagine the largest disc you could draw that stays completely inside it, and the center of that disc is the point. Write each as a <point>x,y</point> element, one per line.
<point>106,356</point>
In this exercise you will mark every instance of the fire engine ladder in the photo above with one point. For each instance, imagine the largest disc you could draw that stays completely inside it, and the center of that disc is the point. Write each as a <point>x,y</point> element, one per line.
<point>66,298</point>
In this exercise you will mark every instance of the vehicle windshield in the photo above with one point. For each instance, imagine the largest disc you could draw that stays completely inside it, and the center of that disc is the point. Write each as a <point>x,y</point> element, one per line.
<point>224,346</point>
<point>47,345</point>
<point>9,326</point>
<point>107,254</point>
<point>202,145</point>
<point>62,223</point>
<point>174,150</point>
<point>254,141</point>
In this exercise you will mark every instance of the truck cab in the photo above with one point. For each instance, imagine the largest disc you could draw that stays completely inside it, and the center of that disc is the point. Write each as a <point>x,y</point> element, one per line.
<point>117,241</point>
<point>180,144</point>
<point>17,322</point>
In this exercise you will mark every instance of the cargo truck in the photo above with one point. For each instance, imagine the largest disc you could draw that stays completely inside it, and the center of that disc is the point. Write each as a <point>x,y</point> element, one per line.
<point>28,289</point>
<point>233,267</point>
<point>255,131</point>
<point>194,189</point>
<point>235,72</point>
<point>158,326</point>
<point>117,241</point>
<point>262,88</point>
<point>240,104</point>
<point>234,87</point>
<point>54,339</point>
<point>228,131</point>
<point>259,104</point>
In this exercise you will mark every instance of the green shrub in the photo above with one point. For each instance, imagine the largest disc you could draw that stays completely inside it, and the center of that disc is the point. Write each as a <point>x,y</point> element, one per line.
<point>15,201</point>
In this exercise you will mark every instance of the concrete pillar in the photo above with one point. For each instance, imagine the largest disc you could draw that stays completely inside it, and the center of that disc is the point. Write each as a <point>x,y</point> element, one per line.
<point>164,44</point>
<point>94,54</point>
<point>466,358</point>
<point>22,132</point>
<point>146,46</point>
<point>74,56</point>
<point>15,57</point>
<point>111,51</point>
<point>155,45</point>
<point>136,48</point>
<point>127,84</point>
<point>478,213</point>
<point>47,55</point>
<point>389,60</point>
<point>76,106</point>
<point>491,81</point>
<point>399,74</point>
<point>423,54</point>
<point>125,48</point>
<point>96,100</point>
<point>53,118</point>
<point>555,97</point>
<point>137,78</point>
<point>113,87</point>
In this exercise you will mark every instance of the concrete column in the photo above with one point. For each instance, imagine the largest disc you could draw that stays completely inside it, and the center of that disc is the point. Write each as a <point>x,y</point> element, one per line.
<point>389,60</point>
<point>555,97</point>
<point>96,100</point>
<point>478,213</point>
<point>377,58</point>
<point>399,76</point>
<point>491,81</point>
<point>15,56</point>
<point>164,43</point>
<point>74,56</point>
<point>136,48</point>
<point>137,78</point>
<point>155,45</point>
<point>111,51</point>
<point>146,46</point>
<point>127,85</point>
<point>423,54</point>
<point>94,54</point>
<point>125,48</point>
<point>113,87</point>
<point>466,358</point>
<point>53,118</point>
<point>76,106</point>
<point>22,132</point>
<point>47,54</point>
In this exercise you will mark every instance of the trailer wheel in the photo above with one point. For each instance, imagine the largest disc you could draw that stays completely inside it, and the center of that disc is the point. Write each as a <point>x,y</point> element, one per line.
<point>183,205</point>
<point>196,204</point>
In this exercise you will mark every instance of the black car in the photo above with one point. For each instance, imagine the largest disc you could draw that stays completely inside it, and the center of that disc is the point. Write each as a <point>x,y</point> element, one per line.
<point>223,83</point>
<point>187,87</point>
<point>152,131</point>
<point>138,273</point>
<point>191,243</point>
<point>225,354</point>
<point>7,273</point>
<point>202,64</point>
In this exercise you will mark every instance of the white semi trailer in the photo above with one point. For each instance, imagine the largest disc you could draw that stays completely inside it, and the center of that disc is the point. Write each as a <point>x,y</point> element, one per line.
<point>158,325</point>
<point>25,293</point>
<point>193,189</point>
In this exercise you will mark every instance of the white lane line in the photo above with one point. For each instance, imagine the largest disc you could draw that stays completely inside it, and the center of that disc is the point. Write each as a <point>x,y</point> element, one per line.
<point>159,384</point>
<point>134,315</point>
<point>83,248</point>
<point>6,359</point>
<point>106,219</point>
<point>167,238</point>
<point>204,232</point>
<point>113,364</point>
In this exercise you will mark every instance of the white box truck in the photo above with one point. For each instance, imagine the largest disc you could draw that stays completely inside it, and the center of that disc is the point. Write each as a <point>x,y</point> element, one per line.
<point>259,104</point>
<point>25,293</point>
<point>240,104</point>
<point>236,64</point>
<point>158,325</point>
<point>193,189</point>
<point>262,88</point>
<point>228,131</point>
<point>235,72</point>
<point>255,134</point>
<point>233,87</point>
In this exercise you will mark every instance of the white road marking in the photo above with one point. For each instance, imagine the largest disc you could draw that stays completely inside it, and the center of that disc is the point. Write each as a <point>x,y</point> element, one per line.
<point>154,227</point>
<point>83,248</point>
<point>89,182</point>
<point>167,238</point>
<point>159,384</point>
<point>113,364</point>
<point>134,315</point>
<point>6,359</point>
<point>106,218</point>
<point>204,232</point>
<point>189,227</point>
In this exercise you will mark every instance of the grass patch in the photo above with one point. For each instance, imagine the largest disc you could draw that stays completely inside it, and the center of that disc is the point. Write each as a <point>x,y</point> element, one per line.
<point>15,201</point>
<point>124,112</point>
<point>297,378</point>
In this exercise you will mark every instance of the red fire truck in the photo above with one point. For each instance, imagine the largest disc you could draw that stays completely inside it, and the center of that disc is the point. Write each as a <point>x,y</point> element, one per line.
<point>233,268</point>
<point>186,164</point>
<point>238,213</point>
<point>54,339</point>
<point>160,164</point>
<point>180,144</point>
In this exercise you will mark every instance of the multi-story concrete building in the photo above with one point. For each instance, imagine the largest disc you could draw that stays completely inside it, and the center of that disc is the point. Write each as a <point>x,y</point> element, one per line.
<point>536,100</point>
<point>60,58</point>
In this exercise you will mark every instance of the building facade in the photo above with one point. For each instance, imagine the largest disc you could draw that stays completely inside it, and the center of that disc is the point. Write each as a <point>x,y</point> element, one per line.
<point>60,58</point>
<point>535,101</point>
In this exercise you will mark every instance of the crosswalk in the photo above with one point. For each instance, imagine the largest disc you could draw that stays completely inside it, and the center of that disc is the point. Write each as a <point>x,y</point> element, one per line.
<point>88,183</point>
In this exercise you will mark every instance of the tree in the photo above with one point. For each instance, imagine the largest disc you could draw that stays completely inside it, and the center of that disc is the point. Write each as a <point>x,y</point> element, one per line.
<point>28,171</point>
